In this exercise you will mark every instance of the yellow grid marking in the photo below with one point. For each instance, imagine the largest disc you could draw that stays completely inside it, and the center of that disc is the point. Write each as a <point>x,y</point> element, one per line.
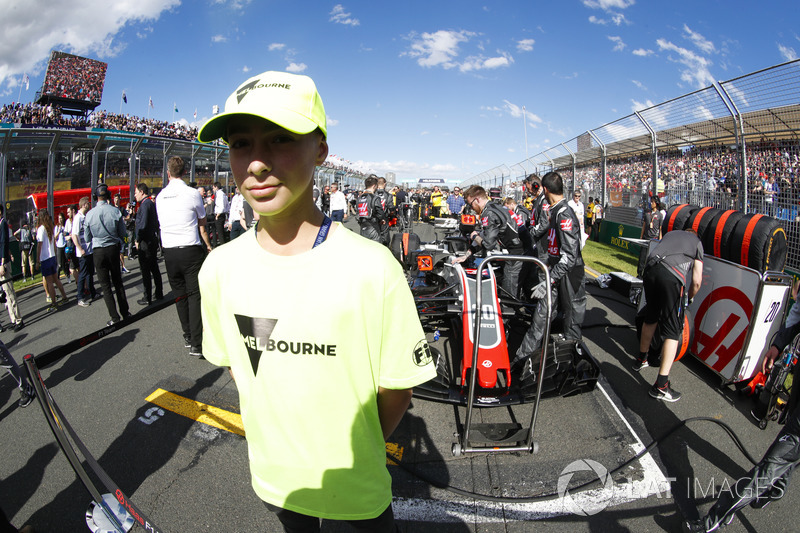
<point>226,420</point>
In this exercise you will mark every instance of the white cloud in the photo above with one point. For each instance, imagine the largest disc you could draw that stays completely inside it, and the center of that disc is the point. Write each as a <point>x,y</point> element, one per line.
<point>246,69</point>
<point>144,32</point>
<point>276,46</point>
<point>642,52</point>
<point>480,63</point>
<point>416,169</point>
<point>639,84</point>
<point>331,121</point>
<point>617,19</point>
<point>340,16</point>
<point>619,46</point>
<point>697,68</point>
<point>608,4</point>
<point>31,29</point>
<point>638,106</point>
<point>296,67</point>
<point>705,46</point>
<point>218,38</point>
<point>565,76</point>
<point>787,52</point>
<point>443,47</point>
<point>525,45</point>
<point>236,5</point>
<point>516,111</point>
<point>438,49</point>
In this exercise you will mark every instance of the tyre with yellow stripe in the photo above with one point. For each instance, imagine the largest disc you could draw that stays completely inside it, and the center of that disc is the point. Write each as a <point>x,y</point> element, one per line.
<point>758,242</point>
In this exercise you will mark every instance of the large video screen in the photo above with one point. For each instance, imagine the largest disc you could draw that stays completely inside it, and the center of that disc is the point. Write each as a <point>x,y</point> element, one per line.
<point>74,78</point>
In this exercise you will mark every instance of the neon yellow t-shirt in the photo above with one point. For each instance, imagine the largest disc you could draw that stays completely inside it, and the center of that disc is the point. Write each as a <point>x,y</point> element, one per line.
<point>310,338</point>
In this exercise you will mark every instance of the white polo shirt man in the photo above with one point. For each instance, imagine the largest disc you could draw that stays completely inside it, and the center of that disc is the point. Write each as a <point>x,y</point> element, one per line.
<point>182,217</point>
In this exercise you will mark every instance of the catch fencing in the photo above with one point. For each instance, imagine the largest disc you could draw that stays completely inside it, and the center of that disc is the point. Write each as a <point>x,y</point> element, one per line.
<point>732,145</point>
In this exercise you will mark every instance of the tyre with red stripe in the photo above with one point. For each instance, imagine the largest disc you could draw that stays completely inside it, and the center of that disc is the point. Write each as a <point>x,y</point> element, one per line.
<point>719,231</point>
<point>677,217</point>
<point>758,242</point>
<point>701,220</point>
<point>684,341</point>
<point>686,337</point>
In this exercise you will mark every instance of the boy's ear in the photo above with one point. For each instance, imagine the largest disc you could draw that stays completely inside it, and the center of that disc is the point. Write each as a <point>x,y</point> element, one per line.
<point>322,154</point>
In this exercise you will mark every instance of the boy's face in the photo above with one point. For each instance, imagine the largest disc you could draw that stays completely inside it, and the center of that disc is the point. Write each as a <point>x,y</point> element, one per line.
<point>273,167</point>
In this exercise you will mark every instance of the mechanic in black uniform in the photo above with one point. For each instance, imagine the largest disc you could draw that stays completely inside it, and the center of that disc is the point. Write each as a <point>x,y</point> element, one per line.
<point>675,264</point>
<point>371,215</point>
<point>498,231</point>
<point>768,480</point>
<point>566,267</point>
<point>523,219</point>
<point>538,229</point>
<point>387,201</point>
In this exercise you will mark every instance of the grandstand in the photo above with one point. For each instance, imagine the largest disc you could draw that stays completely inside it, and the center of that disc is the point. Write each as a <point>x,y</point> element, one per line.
<point>715,147</point>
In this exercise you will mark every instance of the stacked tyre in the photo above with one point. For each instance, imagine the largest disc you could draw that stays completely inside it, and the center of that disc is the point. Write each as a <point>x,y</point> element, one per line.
<point>752,240</point>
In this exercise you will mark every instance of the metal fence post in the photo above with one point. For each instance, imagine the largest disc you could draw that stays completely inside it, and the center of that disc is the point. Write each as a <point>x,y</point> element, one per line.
<point>654,183</point>
<point>603,177</point>
<point>738,127</point>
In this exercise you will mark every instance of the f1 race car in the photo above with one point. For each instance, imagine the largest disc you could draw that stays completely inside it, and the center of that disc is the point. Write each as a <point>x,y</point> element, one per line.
<point>473,349</point>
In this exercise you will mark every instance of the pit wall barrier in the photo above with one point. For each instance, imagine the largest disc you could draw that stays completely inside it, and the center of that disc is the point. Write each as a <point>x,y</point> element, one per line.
<point>736,313</point>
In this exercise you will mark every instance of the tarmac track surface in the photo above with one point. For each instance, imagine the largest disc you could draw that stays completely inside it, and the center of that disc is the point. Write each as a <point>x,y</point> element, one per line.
<point>190,475</point>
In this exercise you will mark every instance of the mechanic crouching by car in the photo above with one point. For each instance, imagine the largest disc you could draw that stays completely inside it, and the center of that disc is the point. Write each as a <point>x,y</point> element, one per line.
<point>498,231</point>
<point>565,264</point>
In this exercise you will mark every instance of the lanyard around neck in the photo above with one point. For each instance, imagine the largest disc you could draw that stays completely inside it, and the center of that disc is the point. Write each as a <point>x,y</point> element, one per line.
<point>322,234</point>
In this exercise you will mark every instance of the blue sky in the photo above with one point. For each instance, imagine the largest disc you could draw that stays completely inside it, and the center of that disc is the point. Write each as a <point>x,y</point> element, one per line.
<point>422,89</point>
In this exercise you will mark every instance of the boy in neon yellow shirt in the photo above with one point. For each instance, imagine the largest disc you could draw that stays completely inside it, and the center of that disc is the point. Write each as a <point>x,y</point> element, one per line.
<point>324,376</point>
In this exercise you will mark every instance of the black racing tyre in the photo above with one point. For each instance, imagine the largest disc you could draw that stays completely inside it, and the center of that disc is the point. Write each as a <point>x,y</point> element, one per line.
<point>684,342</point>
<point>757,242</point>
<point>686,336</point>
<point>701,220</point>
<point>719,232</point>
<point>677,217</point>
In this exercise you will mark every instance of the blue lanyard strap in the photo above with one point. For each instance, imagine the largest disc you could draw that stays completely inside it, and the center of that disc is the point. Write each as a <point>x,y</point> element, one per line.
<point>321,235</point>
<point>323,231</point>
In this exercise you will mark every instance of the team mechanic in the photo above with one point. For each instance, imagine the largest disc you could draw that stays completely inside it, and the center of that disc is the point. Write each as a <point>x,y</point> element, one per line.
<point>566,267</point>
<point>498,230</point>
<point>675,266</point>
<point>387,203</point>
<point>371,215</point>
<point>538,226</point>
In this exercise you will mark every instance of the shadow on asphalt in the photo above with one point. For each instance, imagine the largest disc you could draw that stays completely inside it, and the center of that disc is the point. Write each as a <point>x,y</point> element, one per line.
<point>130,459</point>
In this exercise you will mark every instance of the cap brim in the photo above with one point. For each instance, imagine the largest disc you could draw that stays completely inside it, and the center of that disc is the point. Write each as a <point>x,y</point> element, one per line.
<point>217,127</point>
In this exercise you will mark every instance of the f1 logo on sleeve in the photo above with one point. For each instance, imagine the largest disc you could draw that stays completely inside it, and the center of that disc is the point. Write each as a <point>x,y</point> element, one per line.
<point>422,353</point>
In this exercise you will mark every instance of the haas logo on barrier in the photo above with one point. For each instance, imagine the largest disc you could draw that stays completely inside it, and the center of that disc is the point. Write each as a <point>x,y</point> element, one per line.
<point>723,342</point>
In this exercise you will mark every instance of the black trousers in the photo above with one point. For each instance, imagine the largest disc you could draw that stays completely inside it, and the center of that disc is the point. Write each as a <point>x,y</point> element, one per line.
<point>183,265</point>
<point>148,264</point>
<point>106,263</point>
<point>371,230</point>
<point>569,295</point>
<point>219,230</point>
